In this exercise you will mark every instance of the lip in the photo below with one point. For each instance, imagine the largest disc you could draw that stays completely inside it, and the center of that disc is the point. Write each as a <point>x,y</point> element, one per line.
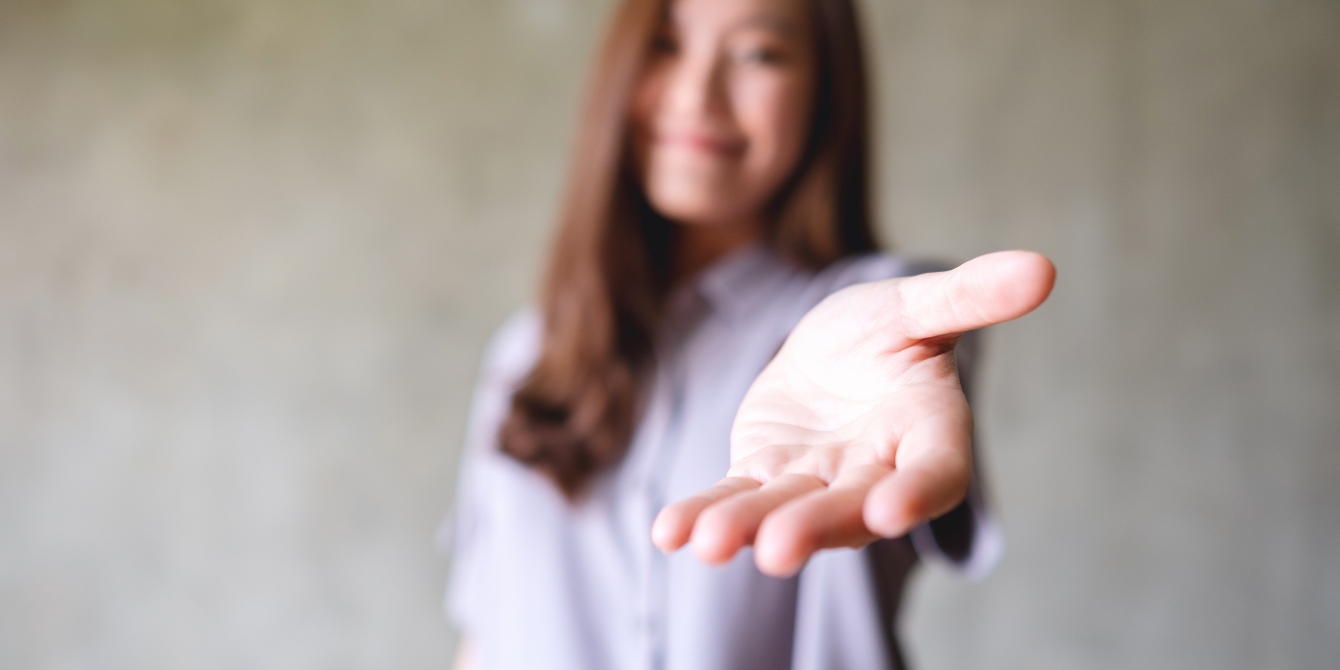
<point>702,142</point>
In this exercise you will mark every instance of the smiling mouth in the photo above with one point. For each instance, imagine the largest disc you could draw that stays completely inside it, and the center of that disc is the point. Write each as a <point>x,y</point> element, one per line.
<point>699,142</point>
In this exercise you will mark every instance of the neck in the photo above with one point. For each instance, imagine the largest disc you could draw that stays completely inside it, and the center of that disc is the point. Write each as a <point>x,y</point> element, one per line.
<point>698,246</point>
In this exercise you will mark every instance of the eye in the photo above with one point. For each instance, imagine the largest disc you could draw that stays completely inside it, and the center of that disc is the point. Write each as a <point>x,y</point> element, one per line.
<point>760,55</point>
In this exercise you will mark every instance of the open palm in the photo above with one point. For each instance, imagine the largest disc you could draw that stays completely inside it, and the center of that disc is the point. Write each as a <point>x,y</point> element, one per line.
<point>858,428</point>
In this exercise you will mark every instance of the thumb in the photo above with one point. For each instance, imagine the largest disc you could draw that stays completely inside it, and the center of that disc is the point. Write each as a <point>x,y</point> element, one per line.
<point>986,290</point>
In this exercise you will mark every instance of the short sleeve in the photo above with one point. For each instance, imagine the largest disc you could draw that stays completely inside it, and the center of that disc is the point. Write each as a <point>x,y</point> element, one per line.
<point>510,355</point>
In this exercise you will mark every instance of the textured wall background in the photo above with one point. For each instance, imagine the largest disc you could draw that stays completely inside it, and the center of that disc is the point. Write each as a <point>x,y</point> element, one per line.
<point>251,249</point>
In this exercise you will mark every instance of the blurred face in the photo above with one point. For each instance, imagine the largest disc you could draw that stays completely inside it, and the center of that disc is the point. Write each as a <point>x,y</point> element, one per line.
<point>722,111</point>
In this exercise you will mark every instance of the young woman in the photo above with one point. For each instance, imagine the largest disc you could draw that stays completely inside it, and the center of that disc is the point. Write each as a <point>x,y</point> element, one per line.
<point>714,306</point>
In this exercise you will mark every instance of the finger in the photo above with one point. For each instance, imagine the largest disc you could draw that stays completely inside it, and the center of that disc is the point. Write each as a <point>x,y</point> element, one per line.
<point>671,529</point>
<point>726,526</point>
<point>986,290</point>
<point>822,519</point>
<point>933,466</point>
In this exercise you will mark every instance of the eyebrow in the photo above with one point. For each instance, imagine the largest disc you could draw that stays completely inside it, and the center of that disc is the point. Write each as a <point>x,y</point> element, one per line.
<point>770,23</point>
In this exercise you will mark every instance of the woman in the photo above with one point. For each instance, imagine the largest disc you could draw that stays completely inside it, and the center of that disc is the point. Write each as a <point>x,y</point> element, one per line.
<point>718,195</point>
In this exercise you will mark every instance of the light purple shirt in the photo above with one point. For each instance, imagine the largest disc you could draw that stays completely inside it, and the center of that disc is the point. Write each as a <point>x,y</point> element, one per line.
<point>539,582</point>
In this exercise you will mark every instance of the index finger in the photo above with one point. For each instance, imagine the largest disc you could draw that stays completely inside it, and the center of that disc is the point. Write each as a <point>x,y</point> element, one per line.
<point>986,290</point>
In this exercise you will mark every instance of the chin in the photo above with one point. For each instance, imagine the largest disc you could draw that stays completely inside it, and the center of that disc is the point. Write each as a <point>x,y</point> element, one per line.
<point>698,208</point>
<point>699,201</point>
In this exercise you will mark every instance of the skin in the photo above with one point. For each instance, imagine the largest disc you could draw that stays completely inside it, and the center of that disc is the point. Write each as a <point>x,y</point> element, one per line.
<point>858,428</point>
<point>720,118</point>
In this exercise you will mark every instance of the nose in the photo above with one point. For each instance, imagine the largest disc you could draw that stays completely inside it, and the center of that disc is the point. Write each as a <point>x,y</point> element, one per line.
<point>697,87</point>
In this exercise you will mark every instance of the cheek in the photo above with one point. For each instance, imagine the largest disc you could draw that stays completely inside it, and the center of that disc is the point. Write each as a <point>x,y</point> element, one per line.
<point>642,116</point>
<point>774,113</point>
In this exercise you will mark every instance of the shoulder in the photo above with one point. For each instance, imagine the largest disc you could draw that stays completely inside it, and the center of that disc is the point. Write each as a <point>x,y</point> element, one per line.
<point>514,346</point>
<point>509,356</point>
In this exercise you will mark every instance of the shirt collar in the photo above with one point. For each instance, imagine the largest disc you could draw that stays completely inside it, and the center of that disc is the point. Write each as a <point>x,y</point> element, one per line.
<point>736,284</point>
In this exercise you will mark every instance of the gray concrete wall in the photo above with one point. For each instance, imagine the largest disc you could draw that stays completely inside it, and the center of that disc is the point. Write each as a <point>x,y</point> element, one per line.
<point>250,252</point>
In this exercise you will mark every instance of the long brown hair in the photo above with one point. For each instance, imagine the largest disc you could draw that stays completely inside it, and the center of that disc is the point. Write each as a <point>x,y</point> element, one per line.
<point>608,269</point>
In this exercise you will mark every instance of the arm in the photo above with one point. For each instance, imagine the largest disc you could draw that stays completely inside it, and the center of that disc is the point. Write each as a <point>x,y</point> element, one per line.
<point>858,428</point>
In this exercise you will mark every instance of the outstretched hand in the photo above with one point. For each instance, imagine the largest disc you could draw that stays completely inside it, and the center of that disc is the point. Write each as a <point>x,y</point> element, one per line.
<point>858,428</point>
